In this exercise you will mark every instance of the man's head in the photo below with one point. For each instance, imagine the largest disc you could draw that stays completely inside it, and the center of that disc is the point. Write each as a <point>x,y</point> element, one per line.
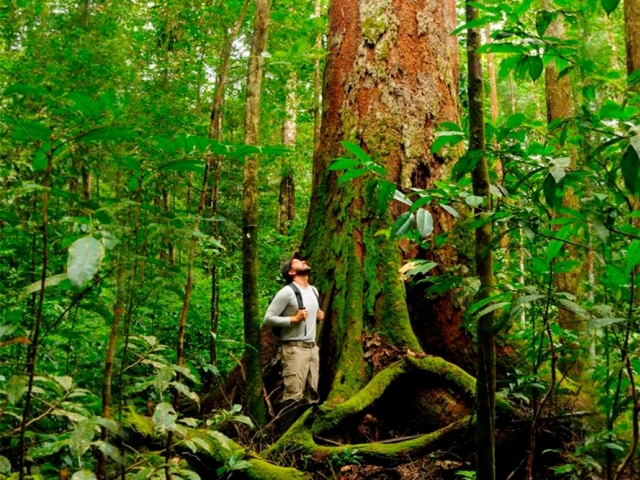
<point>293,267</point>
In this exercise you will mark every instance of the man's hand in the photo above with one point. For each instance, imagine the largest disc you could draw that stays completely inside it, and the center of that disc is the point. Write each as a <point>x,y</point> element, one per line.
<point>299,317</point>
<point>320,315</point>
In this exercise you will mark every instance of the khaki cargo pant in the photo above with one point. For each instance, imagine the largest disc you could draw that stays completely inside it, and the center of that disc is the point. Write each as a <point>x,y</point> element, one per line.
<point>300,369</point>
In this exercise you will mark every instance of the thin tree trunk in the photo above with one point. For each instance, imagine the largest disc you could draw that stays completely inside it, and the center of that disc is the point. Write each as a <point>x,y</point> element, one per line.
<point>632,34</point>
<point>560,106</point>
<point>110,357</point>
<point>486,380</point>
<point>215,133</point>
<point>37,323</point>
<point>493,83</point>
<point>289,134</point>
<point>255,403</point>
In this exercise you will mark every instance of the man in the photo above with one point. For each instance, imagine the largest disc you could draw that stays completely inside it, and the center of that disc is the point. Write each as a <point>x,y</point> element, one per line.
<point>300,360</point>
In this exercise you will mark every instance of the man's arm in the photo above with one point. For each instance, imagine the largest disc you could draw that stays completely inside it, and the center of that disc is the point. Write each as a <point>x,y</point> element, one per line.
<point>274,318</point>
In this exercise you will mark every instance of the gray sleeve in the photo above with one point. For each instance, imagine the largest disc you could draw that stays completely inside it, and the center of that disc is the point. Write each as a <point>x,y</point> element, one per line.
<point>281,308</point>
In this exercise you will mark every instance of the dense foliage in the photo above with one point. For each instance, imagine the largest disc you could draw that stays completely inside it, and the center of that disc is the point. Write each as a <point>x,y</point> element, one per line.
<point>105,137</point>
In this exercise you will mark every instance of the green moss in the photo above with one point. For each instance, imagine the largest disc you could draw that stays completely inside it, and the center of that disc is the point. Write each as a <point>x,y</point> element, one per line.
<point>374,19</point>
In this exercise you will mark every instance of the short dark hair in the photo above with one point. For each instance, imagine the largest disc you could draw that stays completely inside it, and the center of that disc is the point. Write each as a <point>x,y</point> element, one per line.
<point>286,266</point>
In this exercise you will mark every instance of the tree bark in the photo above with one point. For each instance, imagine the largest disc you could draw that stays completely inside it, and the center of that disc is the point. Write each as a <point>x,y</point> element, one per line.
<point>632,34</point>
<point>560,106</point>
<point>317,86</point>
<point>255,403</point>
<point>391,76</point>
<point>289,133</point>
<point>486,379</point>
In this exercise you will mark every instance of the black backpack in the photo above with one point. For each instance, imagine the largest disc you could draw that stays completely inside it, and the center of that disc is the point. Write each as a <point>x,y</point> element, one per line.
<point>278,330</point>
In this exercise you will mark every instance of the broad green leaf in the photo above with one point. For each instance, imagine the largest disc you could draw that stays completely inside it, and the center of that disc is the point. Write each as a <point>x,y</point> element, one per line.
<point>84,475</point>
<point>424,222</point>
<point>104,134</point>
<point>452,211</point>
<point>557,172</point>
<point>604,322</point>
<point>344,164</point>
<point>81,438</point>
<point>164,417</point>
<point>474,200</point>
<point>609,5</point>
<point>5,466</point>
<point>85,257</point>
<point>446,138</point>
<point>162,379</point>
<point>197,166</point>
<point>501,48</point>
<point>630,166</point>
<point>543,20</point>
<point>24,89</point>
<point>65,382</point>
<point>15,388</point>
<point>356,151</point>
<point>86,105</point>
<point>352,174</point>
<point>30,130</point>
<point>492,308</point>
<point>536,67</point>
<point>165,144</point>
<point>41,159</point>
<point>479,22</point>
<point>553,249</point>
<point>386,191</point>
<point>402,224</point>
<point>49,282</point>
<point>110,451</point>
<point>573,307</point>
<point>516,120</point>
<point>633,255</point>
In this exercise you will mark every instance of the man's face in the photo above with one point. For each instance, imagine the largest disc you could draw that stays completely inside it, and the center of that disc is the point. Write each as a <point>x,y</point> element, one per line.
<point>299,267</point>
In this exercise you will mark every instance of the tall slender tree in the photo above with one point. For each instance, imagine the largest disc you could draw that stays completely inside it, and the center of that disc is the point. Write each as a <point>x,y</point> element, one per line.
<point>254,388</point>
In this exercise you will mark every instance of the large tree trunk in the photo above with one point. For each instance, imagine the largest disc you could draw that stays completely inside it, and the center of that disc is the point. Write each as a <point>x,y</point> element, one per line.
<point>254,387</point>
<point>391,77</point>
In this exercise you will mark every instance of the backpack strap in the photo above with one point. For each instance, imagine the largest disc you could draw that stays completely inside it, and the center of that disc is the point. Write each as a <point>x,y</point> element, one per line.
<point>298,293</point>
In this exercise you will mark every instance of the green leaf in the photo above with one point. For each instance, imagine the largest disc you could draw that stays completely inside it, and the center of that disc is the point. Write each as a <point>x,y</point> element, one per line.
<point>86,105</point>
<point>552,191</point>
<point>466,164</point>
<point>5,466</point>
<point>478,22</point>
<point>104,134</point>
<point>604,322</point>
<point>402,224</point>
<point>85,256</point>
<point>446,138</point>
<point>452,211</point>
<point>536,67</point>
<point>386,191</point>
<point>164,417</point>
<point>352,174</point>
<point>630,166</point>
<point>501,48</point>
<point>492,308</point>
<point>31,131</point>
<point>424,222</point>
<point>543,20</point>
<point>553,249</point>
<point>83,475</point>
<point>15,388</point>
<point>81,438</point>
<point>165,144</point>
<point>197,166</point>
<point>41,159</point>
<point>65,382</point>
<point>633,255</point>
<point>474,200</point>
<point>344,164</point>
<point>356,151</point>
<point>516,120</point>
<point>609,5</point>
<point>24,89</point>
